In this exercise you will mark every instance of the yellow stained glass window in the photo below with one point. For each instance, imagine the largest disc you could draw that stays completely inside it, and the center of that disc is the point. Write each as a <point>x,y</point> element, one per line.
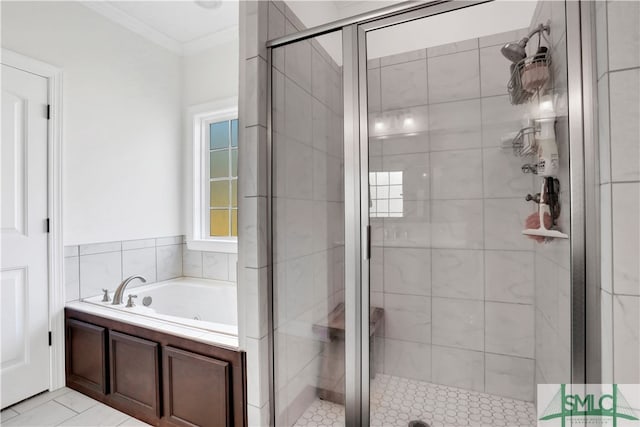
<point>234,222</point>
<point>234,162</point>
<point>219,164</point>
<point>219,222</point>
<point>234,193</point>
<point>219,194</point>
<point>223,182</point>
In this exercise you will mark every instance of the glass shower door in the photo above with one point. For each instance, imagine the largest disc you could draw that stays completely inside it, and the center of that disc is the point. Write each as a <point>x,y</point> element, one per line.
<point>308,231</point>
<point>467,313</point>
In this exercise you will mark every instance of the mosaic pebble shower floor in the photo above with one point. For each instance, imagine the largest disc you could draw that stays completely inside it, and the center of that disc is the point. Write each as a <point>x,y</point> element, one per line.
<point>396,401</point>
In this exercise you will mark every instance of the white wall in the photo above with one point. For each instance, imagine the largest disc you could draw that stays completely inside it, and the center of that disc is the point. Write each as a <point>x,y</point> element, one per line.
<point>210,75</point>
<point>209,81</point>
<point>122,120</point>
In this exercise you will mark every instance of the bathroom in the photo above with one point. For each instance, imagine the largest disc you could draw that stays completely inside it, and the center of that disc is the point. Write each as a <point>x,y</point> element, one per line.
<point>374,169</point>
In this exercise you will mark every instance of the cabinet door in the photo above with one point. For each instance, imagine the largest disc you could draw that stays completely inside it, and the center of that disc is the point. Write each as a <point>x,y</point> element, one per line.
<point>196,389</point>
<point>135,374</point>
<point>86,356</point>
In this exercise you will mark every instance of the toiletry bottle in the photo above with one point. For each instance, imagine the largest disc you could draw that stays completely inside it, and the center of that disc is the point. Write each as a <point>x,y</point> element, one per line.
<point>548,161</point>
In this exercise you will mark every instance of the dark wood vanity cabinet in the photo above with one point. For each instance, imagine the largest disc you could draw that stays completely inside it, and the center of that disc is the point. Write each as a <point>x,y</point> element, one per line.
<point>156,377</point>
<point>135,373</point>
<point>86,357</point>
<point>196,388</point>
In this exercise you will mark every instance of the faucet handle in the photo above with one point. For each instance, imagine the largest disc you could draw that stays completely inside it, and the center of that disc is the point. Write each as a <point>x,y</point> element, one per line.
<point>130,301</point>
<point>105,297</point>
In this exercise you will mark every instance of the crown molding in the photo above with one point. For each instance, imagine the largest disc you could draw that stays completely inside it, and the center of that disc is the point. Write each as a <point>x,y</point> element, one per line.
<point>129,22</point>
<point>137,26</point>
<point>219,37</point>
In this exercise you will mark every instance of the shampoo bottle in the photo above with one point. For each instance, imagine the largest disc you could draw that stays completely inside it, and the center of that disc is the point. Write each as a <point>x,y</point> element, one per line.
<point>548,163</point>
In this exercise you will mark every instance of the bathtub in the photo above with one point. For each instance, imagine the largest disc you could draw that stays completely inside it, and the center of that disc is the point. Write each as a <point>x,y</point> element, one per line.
<point>201,309</point>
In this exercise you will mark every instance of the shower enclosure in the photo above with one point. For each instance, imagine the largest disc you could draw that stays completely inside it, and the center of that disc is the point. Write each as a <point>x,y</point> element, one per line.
<point>404,182</point>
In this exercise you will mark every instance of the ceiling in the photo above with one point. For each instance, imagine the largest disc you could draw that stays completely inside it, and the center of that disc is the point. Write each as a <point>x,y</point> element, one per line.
<point>184,27</point>
<point>347,8</point>
<point>477,21</point>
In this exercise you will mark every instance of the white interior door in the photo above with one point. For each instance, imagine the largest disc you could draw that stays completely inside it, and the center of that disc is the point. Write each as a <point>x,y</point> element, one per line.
<point>24,369</point>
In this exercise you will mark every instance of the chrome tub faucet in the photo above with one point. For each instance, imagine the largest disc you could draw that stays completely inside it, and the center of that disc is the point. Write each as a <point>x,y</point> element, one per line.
<point>117,296</point>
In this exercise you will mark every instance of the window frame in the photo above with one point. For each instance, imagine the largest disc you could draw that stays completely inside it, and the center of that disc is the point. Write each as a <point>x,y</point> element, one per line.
<point>201,117</point>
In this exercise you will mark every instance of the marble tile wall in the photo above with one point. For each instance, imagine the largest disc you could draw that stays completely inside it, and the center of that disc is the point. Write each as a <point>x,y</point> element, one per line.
<point>552,260</point>
<point>209,265</point>
<point>452,272</point>
<point>90,268</point>
<point>308,258</point>
<point>618,73</point>
<point>308,216</point>
<point>258,22</point>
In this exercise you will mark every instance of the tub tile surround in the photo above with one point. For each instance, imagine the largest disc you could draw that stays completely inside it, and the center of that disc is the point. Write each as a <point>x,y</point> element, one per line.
<point>618,72</point>
<point>454,274</point>
<point>91,267</point>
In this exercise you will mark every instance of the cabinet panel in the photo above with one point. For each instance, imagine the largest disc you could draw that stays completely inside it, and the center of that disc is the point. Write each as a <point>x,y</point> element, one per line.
<point>135,373</point>
<point>196,389</point>
<point>86,356</point>
<point>157,377</point>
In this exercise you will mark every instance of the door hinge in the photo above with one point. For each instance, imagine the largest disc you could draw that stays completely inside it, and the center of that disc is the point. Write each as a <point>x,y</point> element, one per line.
<point>50,338</point>
<point>47,224</point>
<point>48,112</point>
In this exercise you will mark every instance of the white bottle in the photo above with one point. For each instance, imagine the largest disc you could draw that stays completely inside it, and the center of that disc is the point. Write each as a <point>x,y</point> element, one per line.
<point>548,161</point>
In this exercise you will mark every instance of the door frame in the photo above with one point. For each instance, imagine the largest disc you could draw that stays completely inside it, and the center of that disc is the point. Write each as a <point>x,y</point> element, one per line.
<point>55,268</point>
<point>585,279</point>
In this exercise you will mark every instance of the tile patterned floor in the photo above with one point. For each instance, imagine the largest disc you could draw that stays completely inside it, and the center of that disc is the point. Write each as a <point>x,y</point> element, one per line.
<point>65,407</point>
<point>396,401</point>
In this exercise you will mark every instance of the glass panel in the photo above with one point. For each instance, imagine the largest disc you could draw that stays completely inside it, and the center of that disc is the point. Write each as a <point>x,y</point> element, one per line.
<point>219,164</point>
<point>234,163</point>
<point>219,222</point>
<point>234,193</point>
<point>234,133</point>
<point>461,310</point>
<point>308,228</point>
<point>219,194</point>
<point>234,222</point>
<point>219,135</point>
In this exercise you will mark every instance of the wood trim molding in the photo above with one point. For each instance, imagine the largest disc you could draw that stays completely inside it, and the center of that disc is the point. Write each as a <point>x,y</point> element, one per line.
<point>135,25</point>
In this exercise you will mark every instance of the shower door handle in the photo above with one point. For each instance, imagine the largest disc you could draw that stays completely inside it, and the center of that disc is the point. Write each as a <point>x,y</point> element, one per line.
<point>366,242</point>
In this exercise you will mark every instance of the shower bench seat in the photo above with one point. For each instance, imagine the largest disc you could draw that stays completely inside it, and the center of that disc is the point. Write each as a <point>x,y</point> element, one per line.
<point>331,332</point>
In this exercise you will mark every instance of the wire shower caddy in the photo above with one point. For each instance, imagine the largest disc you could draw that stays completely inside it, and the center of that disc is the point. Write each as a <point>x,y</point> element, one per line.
<point>520,87</point>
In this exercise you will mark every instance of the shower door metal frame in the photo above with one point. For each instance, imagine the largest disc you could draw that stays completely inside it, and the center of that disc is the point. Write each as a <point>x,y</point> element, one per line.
<point>356,181</point>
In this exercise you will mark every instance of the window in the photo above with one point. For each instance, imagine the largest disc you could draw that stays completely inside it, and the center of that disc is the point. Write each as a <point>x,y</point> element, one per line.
<point>386,194</point>
<point>223,178</point>
<point>215,177</point>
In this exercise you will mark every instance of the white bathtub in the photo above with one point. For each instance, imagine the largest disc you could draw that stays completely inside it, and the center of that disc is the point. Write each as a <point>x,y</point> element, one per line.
<point>197,308</point>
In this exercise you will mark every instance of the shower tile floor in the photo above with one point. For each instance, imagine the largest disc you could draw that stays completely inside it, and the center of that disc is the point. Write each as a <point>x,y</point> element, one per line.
<point>396,401</point>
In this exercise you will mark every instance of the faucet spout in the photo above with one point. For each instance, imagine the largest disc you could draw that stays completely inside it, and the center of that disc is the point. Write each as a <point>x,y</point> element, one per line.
<point>119,293</point>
